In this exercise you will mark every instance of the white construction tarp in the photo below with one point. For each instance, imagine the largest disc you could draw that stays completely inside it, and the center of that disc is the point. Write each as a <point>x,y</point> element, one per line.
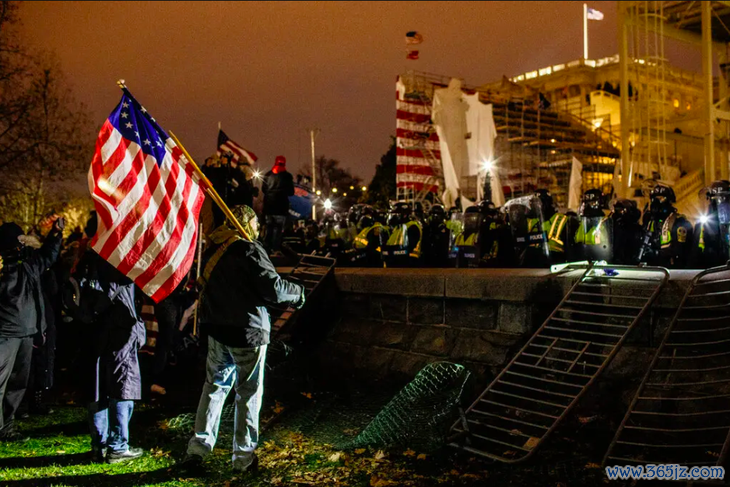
<point>575,189</point>
<point>466,131</point>
<point>480,144</point>
<point>449,117</point>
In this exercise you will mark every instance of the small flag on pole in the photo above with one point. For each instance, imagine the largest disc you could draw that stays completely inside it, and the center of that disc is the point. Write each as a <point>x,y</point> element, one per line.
<point>593,14</point>
<point>226,145</point>
<point>413,37</point>
<point>147,197</point>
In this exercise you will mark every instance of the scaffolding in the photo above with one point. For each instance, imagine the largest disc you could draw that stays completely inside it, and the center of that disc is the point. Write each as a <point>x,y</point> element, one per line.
<point>536,145</point>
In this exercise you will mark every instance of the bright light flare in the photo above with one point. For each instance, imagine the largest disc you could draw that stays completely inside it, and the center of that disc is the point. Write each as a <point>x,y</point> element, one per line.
<point>704,219</point>
<point>257,174</point>
<point>334,190</point>
<point>487,165</point>
<point>364,188</point>
<point>319,192</point>
<point>327,204</point>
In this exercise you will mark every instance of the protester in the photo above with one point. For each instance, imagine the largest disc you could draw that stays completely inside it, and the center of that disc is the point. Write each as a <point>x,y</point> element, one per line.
<point>278,185</point>
<point>22,308</point>
<point>239,281</point>
<point>113,333</point>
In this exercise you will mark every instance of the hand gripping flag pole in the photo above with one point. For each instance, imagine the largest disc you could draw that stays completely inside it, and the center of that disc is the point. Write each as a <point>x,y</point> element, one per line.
<point>207,185</point>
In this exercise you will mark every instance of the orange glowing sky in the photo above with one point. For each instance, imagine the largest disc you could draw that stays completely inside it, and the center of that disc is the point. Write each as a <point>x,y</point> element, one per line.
<point>268,70</point>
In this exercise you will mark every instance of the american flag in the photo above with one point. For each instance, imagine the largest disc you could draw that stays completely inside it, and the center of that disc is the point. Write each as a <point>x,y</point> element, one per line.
<point>147,198</point>
<point>226,145</point>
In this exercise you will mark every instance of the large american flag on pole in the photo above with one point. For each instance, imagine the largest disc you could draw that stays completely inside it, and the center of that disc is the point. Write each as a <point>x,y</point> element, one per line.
<point>147,197</point>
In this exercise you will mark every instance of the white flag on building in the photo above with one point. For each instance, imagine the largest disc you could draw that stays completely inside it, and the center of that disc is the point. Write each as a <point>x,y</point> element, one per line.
<point>593,14</point>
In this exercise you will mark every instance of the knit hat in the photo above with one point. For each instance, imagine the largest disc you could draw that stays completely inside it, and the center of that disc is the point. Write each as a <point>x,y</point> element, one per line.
<point>9,233</point>
<point>245,216</point>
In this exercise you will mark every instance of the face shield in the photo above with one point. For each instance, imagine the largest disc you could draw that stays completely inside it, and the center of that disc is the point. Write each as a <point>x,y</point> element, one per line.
<point>721,204</point>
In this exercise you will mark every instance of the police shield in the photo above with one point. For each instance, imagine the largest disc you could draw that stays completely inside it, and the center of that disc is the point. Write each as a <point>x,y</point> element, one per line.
<point>528,231</point>
<point>594,239</point>
<point>467,243</point>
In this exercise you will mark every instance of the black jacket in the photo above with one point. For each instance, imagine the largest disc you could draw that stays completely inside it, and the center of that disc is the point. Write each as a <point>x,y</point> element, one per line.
<point>242,283</point>
<point>22,306</point>
<point>111,365</point>
<point>277,188</point>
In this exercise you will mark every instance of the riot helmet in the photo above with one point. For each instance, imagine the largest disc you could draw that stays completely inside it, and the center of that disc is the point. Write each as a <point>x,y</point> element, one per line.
<point>437,215</point>
<point>546,203</point>
<point>662,197</point>
<point>718,195</point>
<point>366,221</point>
<point>625,212</point>
<point>593,203</point>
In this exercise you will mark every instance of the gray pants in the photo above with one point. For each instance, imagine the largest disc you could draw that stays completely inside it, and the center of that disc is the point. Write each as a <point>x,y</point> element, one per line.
<point>228,367</point>
<point>15,356</point>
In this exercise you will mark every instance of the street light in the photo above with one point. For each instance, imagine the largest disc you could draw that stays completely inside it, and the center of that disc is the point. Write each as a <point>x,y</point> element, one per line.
<point>319,192</point>
<point>334,190</point>
<point>364,188</point>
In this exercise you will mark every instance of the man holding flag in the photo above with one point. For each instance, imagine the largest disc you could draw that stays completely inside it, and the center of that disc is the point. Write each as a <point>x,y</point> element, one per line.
<point>147,197</point>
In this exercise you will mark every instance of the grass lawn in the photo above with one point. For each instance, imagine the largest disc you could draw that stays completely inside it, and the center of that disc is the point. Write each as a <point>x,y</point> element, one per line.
<point>56,455</point>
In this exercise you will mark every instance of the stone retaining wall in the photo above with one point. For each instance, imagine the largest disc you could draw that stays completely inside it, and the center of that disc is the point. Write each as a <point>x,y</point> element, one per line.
<point>392,322</point>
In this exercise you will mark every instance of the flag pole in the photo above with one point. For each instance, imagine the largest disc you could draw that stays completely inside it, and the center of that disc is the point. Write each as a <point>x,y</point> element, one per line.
<point>210,190</point>
<point>585,31</point>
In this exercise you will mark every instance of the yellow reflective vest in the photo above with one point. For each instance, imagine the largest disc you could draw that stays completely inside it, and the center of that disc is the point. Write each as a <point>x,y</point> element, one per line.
<point>361,241</point>
<point>398,238</point>
<point>597,235</point>
<point>552,228</point>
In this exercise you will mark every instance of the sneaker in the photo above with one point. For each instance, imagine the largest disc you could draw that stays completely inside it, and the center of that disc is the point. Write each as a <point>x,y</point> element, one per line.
<point>252,467</point>
<point>191,464</point>
<point>124,456</point>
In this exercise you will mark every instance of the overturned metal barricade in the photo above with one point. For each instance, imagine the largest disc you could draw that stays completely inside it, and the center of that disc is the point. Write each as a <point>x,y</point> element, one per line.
<point>310,271</point>
<point>681,411</point>
<point>547,377</point>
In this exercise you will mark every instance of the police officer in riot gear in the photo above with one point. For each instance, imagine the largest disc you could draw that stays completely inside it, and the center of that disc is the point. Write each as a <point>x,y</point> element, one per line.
<point>667,234</point>
<point>627,232</point>
<point>403,248</point>
<point>368,244</point>
<point>436,238</point>
<point>554,228</point>
<point>594,233</point>
<point>712,234</point>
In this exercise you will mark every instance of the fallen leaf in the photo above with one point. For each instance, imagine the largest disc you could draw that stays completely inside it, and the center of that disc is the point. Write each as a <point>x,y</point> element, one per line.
<point>409,453</point>
<point>308,395</point>
<point>378,482</point>
<point>422,456</point>
<point>360,451</point>
<point>531,443</point>
<point>278,408</point>
<point>335,457</point>
<point>593,465</point>
<point>379,455</point>
<point>454,472</point>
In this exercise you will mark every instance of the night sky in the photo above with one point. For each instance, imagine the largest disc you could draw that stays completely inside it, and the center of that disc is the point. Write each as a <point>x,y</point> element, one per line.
<point>269,70</point>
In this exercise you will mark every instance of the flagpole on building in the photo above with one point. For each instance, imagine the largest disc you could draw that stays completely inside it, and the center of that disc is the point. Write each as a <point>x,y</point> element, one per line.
<point>585,31</point>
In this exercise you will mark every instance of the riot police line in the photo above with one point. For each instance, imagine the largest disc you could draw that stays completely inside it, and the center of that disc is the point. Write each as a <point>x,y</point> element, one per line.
<point>528,231</point>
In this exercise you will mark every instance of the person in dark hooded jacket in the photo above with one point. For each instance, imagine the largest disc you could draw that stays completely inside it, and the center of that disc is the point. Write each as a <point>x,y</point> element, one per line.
<point>278,185</point>
<point>22,310</point>
<point>111,379</point>
<point>239,281</point>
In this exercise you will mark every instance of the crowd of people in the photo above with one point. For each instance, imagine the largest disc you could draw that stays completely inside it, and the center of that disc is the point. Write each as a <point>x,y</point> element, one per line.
<point>526,232</point>
<point>60,296</point>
